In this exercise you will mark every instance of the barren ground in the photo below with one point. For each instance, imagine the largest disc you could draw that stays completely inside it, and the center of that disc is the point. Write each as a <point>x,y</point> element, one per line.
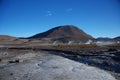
<point>45,63</point>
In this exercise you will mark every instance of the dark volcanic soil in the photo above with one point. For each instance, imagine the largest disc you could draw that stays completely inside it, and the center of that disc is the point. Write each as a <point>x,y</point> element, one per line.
<point>103,58</point>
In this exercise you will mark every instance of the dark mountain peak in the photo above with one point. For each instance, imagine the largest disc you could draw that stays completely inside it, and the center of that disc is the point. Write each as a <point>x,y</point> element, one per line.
<point>65,32</point>
<point>67,26</point>
<point>64,28</point>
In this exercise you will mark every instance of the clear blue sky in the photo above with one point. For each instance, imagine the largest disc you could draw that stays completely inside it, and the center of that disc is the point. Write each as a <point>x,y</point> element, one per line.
<point>23,18</point>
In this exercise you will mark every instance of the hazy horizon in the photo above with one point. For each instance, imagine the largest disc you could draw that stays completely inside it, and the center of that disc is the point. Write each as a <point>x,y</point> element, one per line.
<point>24,18</point>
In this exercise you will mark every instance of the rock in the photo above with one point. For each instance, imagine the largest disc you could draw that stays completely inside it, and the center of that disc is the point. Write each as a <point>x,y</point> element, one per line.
<point>51,67</point>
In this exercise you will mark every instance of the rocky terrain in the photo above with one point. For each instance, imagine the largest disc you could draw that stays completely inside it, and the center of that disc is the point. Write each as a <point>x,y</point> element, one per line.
<point>43,65</point>
<point>107,59</point>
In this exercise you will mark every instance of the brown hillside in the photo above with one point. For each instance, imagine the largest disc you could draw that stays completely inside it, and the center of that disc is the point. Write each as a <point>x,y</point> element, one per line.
<point>64,33</point>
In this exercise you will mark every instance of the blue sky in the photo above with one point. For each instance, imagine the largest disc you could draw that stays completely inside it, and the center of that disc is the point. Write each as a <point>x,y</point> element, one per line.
<point>23,18</point>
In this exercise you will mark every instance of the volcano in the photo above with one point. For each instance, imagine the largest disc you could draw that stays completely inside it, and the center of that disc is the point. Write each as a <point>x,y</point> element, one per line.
<point>64,33</point>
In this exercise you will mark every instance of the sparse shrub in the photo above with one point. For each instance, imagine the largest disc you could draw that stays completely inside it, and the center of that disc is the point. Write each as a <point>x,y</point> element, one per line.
<point>11,74</point>
<point>105,63</point>
<point>112,49</point>
<point>11,61</point>
<point>17,61</point>
<point>116,58</point>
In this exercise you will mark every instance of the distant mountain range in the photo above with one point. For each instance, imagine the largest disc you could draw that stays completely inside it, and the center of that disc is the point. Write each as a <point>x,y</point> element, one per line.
<point>63,33</point>
<point>5,39</point>
<point>108,39</point>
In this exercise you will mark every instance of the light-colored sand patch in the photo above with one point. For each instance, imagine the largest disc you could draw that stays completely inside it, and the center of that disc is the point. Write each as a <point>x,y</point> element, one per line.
<point>51,67</point>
